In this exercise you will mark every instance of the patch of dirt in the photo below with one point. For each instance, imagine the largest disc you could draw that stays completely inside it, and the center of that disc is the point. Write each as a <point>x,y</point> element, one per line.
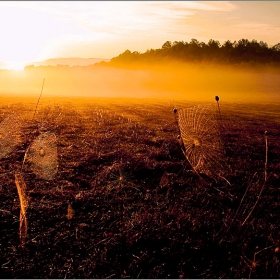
<point>137,209</point>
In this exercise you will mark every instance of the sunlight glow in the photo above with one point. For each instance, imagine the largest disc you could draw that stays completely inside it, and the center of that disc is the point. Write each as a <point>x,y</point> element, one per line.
<point>36,31</point>
<point>15,65</point>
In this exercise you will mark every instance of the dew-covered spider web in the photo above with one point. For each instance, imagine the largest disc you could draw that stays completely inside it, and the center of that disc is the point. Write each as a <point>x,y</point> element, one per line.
<point>202,145</point>
<point>42,156</point>
<point>10,134</point>
<point>50,114</point>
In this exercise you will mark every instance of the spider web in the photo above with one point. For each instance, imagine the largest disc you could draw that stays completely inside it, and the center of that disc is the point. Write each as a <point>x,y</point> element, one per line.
<point>10,134</point>
<point>42,156</point>
<point>50,114</point>
<point>201,139</point>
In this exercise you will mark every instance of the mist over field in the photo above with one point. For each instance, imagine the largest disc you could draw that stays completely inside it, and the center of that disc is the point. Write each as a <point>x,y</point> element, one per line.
<point>174,80</point>
<point>128,171</point>
<point>142,143</point>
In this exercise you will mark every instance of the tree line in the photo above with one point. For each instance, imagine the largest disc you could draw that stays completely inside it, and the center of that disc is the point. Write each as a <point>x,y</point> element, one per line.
<point>242,51</point>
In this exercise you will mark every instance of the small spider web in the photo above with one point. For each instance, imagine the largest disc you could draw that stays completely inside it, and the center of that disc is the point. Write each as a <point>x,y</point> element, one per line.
<point>119,177</point>
<point>42,156</point>
<point>10,134</point>
<point>201,139</point>
<point>51,114</point>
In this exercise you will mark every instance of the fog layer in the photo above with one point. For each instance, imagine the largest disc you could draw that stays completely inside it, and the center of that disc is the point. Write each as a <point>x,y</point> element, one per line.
<point>193,82</point>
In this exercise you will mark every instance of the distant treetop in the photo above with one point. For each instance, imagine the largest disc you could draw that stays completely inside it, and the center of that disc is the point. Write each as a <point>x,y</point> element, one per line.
<point>242,51</point>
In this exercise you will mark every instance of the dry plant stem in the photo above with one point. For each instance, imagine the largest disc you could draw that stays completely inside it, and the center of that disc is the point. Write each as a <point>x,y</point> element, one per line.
<point>70,212</point>
<point>249,185</point>
<point>32,120</point>
<point>253,264</point>
<point>265,179</point>
<point>123,234</point>
<point>38,100</point>
<point>217,99</point>
<point>24,158</point>
<point>21,187</point>
<point>175,112</point>
<point>219,108</point>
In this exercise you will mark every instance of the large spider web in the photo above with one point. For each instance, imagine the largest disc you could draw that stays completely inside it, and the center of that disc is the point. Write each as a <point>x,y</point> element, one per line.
<point>201,139</point>
<point>42,156</point>
<point>10,134</point>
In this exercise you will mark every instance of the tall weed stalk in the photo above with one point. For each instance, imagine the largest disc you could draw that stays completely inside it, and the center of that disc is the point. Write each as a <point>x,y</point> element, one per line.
<point>23,198</point>
<point>265,179</point>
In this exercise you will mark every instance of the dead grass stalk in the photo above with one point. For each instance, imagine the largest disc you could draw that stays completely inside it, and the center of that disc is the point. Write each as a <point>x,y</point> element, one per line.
<point>23,198</point>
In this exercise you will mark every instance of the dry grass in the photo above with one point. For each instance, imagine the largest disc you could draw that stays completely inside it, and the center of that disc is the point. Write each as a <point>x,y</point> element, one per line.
<point>125,202</point>
<point>23,198</point>
<point>70,212</point>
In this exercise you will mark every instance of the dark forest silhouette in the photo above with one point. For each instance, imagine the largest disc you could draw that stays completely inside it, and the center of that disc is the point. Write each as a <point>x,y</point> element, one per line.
<point>237,52</point>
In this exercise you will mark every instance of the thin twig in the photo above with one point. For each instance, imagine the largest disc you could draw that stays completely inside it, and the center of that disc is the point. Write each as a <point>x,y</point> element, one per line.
<point>38,100</point>
<point>264,183</point>
<point>217,99</point>
<point>32,120</point>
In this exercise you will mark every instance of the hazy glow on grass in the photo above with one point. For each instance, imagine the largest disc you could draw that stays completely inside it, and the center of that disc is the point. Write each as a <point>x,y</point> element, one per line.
<point>32,31</point>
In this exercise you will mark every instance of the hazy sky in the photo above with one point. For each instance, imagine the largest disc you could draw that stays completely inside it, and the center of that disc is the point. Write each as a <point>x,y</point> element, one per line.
<point>38,30</point>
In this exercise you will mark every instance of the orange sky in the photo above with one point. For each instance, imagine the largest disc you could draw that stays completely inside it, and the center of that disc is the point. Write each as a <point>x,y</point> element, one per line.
<point>38,30</point>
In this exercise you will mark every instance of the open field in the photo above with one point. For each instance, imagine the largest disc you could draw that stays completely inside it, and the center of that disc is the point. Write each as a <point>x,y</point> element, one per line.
<point>125,202</point>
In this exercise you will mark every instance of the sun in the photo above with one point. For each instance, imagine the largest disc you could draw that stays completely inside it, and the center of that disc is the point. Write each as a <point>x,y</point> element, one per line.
<point>15,65</point>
